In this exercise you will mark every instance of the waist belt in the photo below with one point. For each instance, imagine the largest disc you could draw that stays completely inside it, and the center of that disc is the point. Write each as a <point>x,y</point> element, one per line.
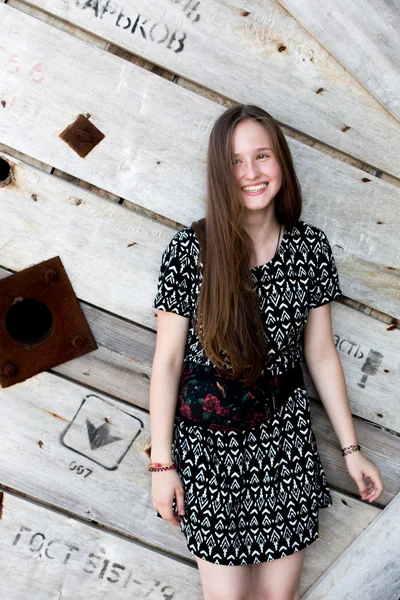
<point>220,402</point>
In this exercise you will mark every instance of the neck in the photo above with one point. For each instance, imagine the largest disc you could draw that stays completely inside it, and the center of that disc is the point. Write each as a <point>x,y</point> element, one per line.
<point>261,227</point>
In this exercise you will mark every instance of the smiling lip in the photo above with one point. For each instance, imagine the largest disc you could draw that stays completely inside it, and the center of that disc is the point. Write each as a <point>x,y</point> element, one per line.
<point>257,192</point>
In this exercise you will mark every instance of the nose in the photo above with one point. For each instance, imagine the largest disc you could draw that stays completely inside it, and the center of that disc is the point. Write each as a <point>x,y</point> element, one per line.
<point>251,170</point>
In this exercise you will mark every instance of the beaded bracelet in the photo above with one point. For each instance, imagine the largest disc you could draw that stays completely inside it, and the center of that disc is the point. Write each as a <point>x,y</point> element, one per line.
<point>162,466</point>
<point>350,449</point>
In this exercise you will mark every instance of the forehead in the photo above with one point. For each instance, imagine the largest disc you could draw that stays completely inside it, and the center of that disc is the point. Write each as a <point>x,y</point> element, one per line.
<point>248,136</point>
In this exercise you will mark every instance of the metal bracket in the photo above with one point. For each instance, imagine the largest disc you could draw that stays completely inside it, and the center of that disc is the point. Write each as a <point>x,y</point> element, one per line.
<point>42,324</point>
<point>82,136</point>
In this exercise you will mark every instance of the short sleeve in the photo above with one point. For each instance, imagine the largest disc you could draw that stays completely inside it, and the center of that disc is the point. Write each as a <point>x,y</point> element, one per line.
<point>175,278</point>
<point>324,280</point>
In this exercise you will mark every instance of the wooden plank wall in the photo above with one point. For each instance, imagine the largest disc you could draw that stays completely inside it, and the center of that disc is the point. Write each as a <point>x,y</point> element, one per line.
<point>372,29</point>
<point>114,212</point>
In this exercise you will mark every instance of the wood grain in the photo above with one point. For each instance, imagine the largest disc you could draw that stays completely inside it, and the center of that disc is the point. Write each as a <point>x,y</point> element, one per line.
<point>112,257</point>
<point>45,554</point>
<point>336,195</point>
<point>368,30</point>
<point>214,42</point>
<point>121,367</point>
<point>46,454</point>
<point>369,568</point>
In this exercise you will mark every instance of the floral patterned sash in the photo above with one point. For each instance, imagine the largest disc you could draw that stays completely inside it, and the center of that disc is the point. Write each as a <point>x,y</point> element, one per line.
<point>219,402</point>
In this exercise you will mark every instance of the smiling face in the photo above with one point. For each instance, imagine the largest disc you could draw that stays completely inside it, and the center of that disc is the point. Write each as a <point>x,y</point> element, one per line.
<point>255,166</point>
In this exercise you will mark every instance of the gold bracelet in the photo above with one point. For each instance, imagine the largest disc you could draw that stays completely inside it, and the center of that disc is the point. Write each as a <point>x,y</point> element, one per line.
<point>350,449</point>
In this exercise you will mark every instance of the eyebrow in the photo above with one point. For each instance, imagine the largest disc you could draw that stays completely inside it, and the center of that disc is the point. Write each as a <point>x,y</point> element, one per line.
<point>257,150</point>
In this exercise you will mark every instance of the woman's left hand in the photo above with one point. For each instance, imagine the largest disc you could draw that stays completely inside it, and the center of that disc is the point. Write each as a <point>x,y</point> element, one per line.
<point>365,474</point>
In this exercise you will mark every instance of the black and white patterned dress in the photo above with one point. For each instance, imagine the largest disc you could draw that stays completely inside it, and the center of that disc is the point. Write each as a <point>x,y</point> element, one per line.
<point>253,495</point>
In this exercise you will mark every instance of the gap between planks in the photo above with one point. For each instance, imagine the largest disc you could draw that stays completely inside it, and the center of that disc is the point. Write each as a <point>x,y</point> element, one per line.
<point>140,210</point>
<point>198,89</point>
<point>4,489</point>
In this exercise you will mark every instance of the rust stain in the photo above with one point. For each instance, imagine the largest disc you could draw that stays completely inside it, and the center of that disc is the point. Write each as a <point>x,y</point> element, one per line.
<point>366,180</point>
<point>58,304</point>
<point>107,420</point>
<point>3,103</point>
<point>133,244</point>
<point>281,48</point>
<point>346,128</point>
<point>82,135</point>
<point>34,197</point>
<point>379,415</point>
<point>380,223</point>
<point>145,446</point>
<point>391,327</point>
<point>53,414</point>
<point>1,504</point>
<point>245,13</point>
<point>319,90</point>
<point>40,444</point>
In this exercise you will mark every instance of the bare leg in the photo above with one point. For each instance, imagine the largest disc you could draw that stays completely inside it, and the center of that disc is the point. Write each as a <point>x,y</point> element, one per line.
<point>221,582</point>
<point>278,579</point>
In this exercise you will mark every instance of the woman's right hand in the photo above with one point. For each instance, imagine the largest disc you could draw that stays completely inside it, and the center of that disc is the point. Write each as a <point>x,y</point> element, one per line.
<point>165,485</point>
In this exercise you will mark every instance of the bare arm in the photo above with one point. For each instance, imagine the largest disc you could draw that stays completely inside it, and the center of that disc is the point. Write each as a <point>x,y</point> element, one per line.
<point>172,330</point>
<point>327,374</point>
<point>326,371</point>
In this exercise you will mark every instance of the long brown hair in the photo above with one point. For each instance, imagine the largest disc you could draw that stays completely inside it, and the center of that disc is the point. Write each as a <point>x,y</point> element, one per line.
<point>228,320</point>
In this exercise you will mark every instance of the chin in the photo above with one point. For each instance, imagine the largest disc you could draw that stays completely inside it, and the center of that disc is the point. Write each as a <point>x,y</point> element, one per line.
<point>257,206</point>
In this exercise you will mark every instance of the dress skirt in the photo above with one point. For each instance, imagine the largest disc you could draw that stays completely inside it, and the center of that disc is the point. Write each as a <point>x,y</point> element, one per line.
<point>253,495</point>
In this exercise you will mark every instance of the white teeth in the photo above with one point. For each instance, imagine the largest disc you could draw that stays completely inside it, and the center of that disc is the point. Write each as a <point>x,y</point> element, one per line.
<point>254,188</point>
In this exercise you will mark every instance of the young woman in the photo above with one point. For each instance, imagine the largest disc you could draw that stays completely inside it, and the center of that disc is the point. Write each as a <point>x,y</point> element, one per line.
<point>243,297</point>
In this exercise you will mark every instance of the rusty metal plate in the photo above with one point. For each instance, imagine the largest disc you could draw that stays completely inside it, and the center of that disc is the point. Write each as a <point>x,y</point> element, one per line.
<point>82,135</point>
<point>42,324</point>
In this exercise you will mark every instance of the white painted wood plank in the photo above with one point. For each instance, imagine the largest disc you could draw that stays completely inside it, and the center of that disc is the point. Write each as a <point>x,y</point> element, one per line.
<point>335,194</point>
<point>236,50</point>
<point>48,455</point>
<point>121,366</point>
<point>381,447</point>
<point>63,25</point>
<point>363,37</point>
<point>45,460</point>
<point>45,555</point>
<point>94,241</point>
<point>334,188</point>
<point>369,568</point>
<point>111,254</point>
<point>26,234</point>
<point>147,124</point>
<point>369,352</point>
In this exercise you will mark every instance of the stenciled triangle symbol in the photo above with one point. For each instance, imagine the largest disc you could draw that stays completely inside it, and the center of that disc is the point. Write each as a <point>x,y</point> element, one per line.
<point>99,436</point>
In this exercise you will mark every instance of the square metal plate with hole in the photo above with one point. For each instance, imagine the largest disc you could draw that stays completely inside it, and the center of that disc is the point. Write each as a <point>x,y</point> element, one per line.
<point>42,324</point>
